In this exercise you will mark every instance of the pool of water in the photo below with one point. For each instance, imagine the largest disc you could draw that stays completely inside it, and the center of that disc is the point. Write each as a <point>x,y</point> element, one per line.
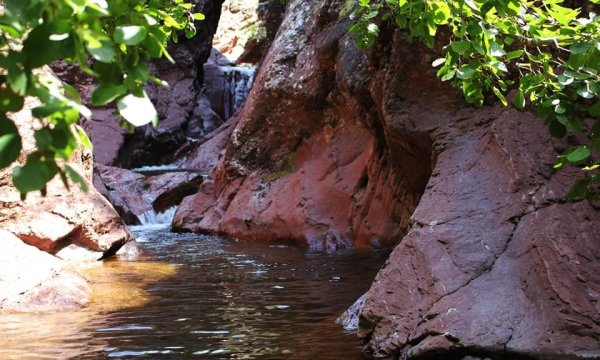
<point>195,296</point>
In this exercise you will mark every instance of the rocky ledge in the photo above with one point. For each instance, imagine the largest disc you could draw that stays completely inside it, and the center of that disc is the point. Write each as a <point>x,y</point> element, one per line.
<point>42,234</point>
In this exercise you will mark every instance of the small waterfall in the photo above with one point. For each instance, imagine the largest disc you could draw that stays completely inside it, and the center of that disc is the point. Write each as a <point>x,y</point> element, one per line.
<point>156,168</point>
<point>151,217</point>
<point>151,220</point>
<point>238,82</point>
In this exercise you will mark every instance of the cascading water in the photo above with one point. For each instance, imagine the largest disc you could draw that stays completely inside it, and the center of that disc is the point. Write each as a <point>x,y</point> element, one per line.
<point>151,220</point>
<point>151,217</point>
<point>238,82</point>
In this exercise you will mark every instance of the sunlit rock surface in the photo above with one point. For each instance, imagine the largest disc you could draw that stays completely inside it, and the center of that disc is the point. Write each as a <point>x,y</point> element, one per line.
<point>34,281</point>
<point>237,26</point>
<point>111,287</point>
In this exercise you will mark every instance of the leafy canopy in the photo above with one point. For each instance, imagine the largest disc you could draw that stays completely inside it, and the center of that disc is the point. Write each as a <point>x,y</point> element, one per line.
<point>546,53</point>
<point>111,40</point>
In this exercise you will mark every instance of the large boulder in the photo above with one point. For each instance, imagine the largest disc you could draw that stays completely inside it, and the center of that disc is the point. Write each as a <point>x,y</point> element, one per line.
<point>338,148</point>
<point>63,217</point>
<point>305,163</point>
<point>34,281</point>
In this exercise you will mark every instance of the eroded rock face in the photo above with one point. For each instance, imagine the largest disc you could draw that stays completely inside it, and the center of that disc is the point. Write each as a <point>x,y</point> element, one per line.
<point>247,29</point>
<point>305,163</point>
<point>335,148</point>
<point>494,263</point>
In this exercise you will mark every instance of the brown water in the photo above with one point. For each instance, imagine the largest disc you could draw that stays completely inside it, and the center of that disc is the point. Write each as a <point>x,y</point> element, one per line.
<point>204,297</point>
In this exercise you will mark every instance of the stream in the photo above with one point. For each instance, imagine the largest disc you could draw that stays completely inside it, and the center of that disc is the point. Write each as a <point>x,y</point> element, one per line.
<point>196,296</point>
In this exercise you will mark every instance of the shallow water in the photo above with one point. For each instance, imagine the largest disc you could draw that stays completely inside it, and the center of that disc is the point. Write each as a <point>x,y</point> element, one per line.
<point>204,297</point>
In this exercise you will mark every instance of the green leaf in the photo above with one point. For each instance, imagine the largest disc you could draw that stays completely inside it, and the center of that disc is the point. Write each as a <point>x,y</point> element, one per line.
<point>579,48</point>
<point>500,96</point>
<point>460,47</point>
<point>579,154</point>
<point>441,12</point>
<point>10,142</point>
<point>34,175</point>
<point>18,80</point>
<point>519,100</point>
<point>595,110</point>
<point>496,50</point>
<point>82,137</point>
<point>106,94</point>
<point>438,62</point>
<point>76,178</point>
<point>449,75</point>
<point>557,129</point>
<point>198,16</point>
<point>9,101</point>
<point>43,138</point>
<point>565,80</point>
<point>130,35</point>
<point>138,111</point>
<point>466,73</point>
<point>578,190</point>
<point>104,53</point>
<point>585,92</point>
<point>514,54</point>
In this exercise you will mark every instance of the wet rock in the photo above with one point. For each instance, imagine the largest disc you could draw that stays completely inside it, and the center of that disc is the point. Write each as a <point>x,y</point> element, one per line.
<point>204,120</point>
<point>130,251</point>
<point>32,280</point>
<point>134,194</point>
<point>349,319</point>
<point>226,88</point>
<point>76,253</point>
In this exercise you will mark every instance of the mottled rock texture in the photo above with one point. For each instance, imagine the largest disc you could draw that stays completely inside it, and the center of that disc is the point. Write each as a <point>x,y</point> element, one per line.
<point>237,26</point>
<point>247,29</point>
<point>338,148</point>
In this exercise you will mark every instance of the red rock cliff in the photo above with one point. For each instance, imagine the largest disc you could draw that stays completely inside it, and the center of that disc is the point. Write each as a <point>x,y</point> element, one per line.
<point>335,148</point>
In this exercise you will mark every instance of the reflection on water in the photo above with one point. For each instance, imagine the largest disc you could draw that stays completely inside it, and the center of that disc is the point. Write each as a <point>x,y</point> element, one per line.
<point>204,297</point>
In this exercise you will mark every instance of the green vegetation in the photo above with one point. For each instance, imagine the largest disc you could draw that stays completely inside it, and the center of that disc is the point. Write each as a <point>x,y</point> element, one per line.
<point>545,55</point>
<point>286,169</point>
<point>111,40</point>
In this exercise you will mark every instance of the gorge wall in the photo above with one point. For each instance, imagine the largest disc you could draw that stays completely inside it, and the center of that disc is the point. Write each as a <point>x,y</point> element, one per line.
<point>339,148</point>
